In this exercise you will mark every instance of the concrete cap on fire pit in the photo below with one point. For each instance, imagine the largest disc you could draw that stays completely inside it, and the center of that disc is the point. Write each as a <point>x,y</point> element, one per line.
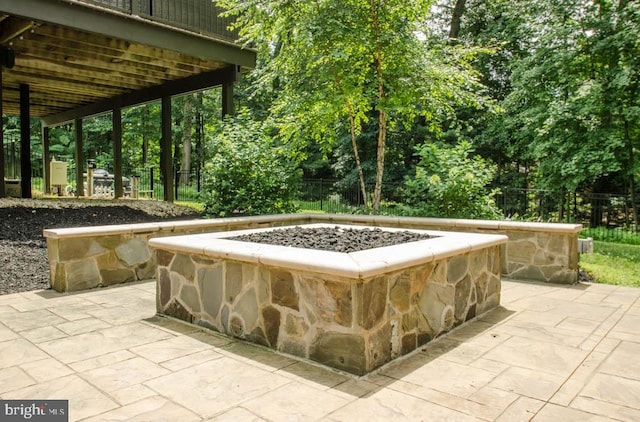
<point>361,264</point>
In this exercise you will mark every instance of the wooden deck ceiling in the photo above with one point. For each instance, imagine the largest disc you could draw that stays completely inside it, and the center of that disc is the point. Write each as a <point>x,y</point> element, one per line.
<point>83,59</point>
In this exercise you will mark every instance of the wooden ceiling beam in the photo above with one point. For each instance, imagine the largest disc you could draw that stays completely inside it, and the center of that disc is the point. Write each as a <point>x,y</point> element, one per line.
<point>81,76</point>
<point>141,75</point>
<point>12,28</point>
<point>53,85</point>
<point>116,56</point>
<point>193,83</point>
<point>63,54</point>
<point>124,47</point>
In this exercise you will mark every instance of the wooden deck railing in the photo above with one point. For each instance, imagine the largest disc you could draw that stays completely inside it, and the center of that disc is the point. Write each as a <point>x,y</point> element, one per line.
<point>201,16</point>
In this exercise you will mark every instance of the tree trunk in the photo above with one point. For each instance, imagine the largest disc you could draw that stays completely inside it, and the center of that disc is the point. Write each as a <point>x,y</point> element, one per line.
<point>145,138</point>
<point>456,18</point>
<point>382,115</point>
<point>356,155</point>
<point>185,164</point>
<point>632,177</point>
<point>382,140</point>
<point>199,156</point>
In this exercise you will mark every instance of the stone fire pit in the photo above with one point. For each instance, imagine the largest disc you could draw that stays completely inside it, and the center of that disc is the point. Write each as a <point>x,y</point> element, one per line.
<point>351,311</point>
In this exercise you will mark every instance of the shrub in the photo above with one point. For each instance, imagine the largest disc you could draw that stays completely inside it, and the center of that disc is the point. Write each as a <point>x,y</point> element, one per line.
<point>451,183</point>
<point>250,173</point>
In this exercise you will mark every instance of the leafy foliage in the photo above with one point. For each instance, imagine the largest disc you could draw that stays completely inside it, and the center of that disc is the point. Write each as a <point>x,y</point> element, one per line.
<point>249,174</point>
<point>449,182</point>
<point>567,75</point>
<point>343,67</point>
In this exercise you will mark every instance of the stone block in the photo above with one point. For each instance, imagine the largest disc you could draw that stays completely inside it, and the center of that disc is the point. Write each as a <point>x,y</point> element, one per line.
<point>247,306</point>
<point>457,268</point>
<point>190,297</point>
<point>110,277</point>
<point>262,286</point>
<point>81,275</point>
<point>526,272</point>
<point>145,271</point>
<point>183,265</point>
<point>232,281</point>
<point>379,347</point>
<point>52,249</point>
<point>78,248</point>
<point>283,289</point>
<point>164,257</point>
<point>271,321</point>
<point>257,336</point>
<point>434,303</point>
<point>328,300</point>
<point>409,343</point>
<point>521,251</point>
<point>224,318</point>
<point>236,326</point>
<point>133,252</point>
<point>210,282</point>
<point>164,286</point>
<point>111,242</point>
<point>558,245</point>
<point>400,293</point>
<point>564,276</point>
<point>463,291</point>
<point>419,278</point>
<point>177,310</point>
<point>340,350</point>
<point>295,326</point>
<point>477,263</point>
<point>371,301</point>
<point>293,347</point>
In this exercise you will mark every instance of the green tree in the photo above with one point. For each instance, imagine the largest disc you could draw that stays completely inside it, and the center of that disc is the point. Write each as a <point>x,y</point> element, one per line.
<point>341,64</point>
<point>141,135</point>
<point>567,76</point>
<point>250,173</point>
<point>450,182</point>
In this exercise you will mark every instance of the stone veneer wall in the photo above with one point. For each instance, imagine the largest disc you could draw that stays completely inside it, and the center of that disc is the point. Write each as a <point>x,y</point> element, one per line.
<point>84,258</point>
<point>354,325</point>
<point>545,252</point>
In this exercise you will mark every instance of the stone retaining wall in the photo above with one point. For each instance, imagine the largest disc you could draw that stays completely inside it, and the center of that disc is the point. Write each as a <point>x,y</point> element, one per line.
<point>84,258</point>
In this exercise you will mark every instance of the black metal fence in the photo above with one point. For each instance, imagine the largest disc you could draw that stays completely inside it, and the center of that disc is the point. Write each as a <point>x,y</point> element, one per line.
<point>606,216</point>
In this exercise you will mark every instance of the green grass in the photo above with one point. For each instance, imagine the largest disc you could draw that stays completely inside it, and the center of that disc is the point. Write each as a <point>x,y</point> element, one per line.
<point>198,206</point>
<point>619,235</point>
<point>613,263</point>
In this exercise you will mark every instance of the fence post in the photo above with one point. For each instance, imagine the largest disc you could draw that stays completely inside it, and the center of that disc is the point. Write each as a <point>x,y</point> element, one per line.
<point>177,181</point>
<point>198,181</point>
<point>151,188</point>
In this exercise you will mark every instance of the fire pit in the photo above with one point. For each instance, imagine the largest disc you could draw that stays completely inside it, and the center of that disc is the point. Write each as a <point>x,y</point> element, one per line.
<point>352,311</point>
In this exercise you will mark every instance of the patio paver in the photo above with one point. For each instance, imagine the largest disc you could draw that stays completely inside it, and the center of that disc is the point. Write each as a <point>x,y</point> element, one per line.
<point>549,352</point>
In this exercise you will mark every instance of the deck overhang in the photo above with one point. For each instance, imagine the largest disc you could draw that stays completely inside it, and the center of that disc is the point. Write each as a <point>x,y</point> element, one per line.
<point>79,58</point>
<point>65,60</point>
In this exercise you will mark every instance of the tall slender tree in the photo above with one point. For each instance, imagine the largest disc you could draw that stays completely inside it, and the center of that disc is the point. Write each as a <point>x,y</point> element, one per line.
<point>340,64</point>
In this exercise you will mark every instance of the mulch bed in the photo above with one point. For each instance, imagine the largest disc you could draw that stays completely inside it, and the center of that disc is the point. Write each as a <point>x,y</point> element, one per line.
<point>23,251</point>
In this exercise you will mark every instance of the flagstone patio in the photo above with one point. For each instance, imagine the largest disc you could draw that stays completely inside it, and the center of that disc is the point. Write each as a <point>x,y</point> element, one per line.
<point>550,352</point>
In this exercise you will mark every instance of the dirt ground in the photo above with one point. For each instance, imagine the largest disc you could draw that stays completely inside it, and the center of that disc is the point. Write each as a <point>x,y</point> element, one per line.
<point>23,253</point>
